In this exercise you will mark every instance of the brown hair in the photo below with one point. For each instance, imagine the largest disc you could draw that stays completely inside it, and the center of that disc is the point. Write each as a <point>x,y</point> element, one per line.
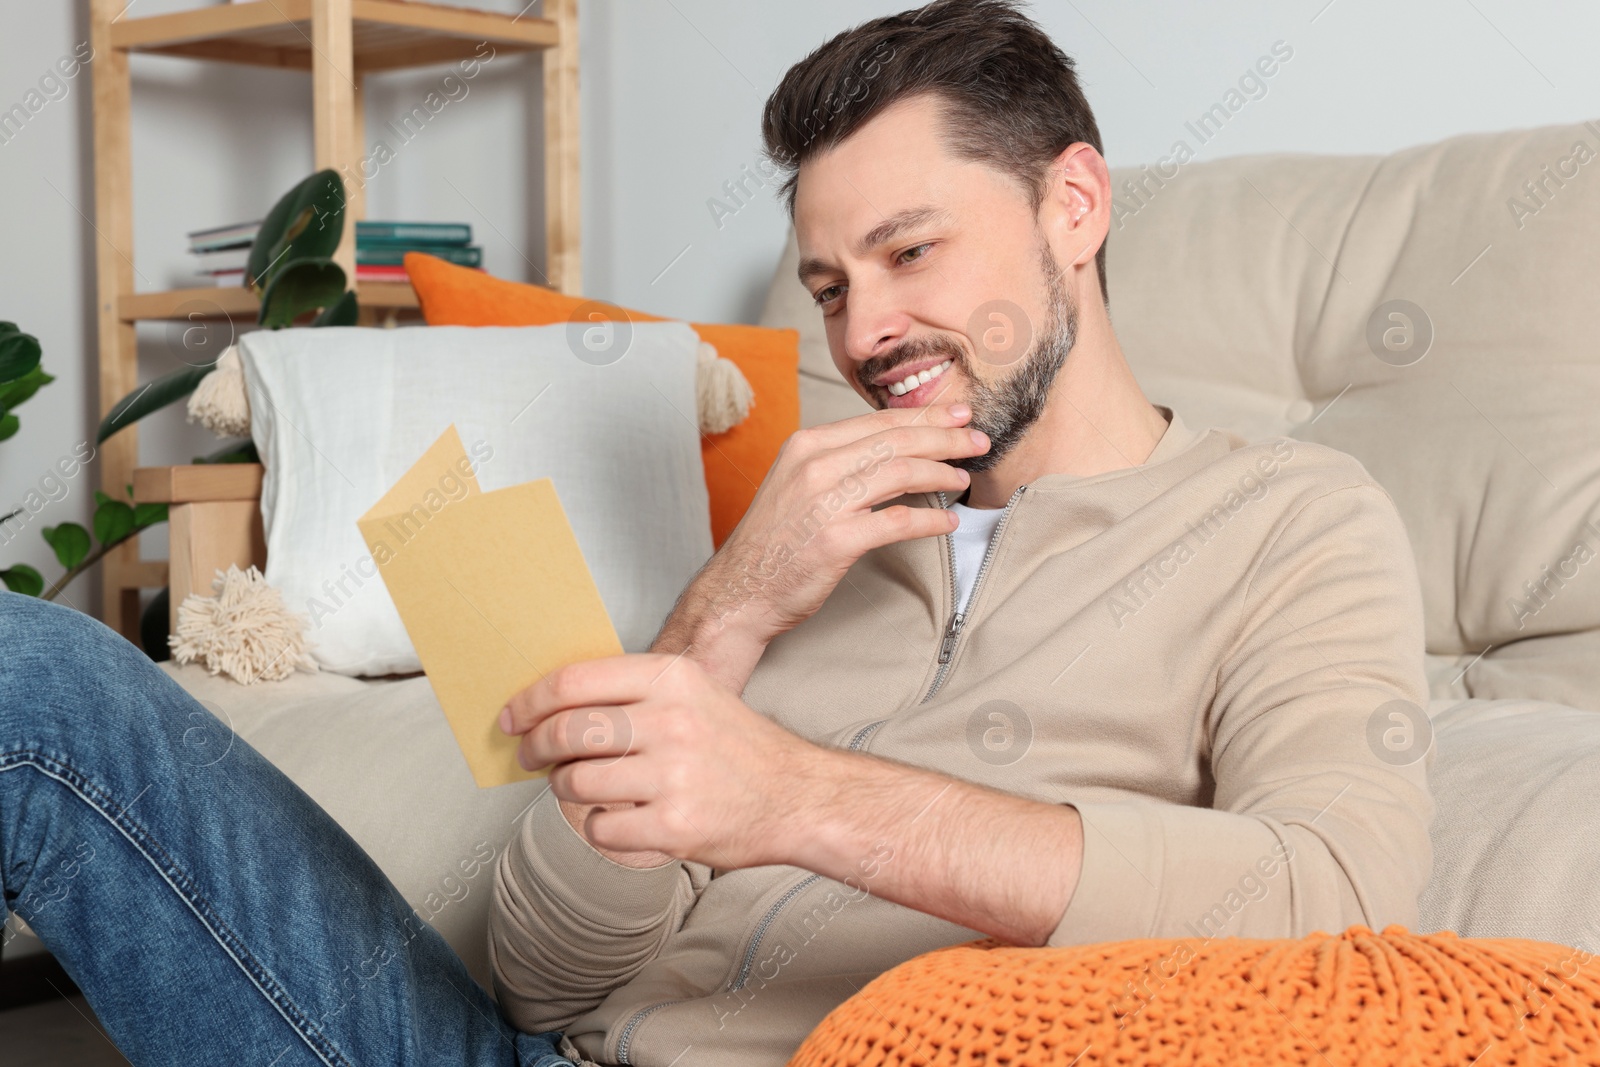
<point>1010,96</point>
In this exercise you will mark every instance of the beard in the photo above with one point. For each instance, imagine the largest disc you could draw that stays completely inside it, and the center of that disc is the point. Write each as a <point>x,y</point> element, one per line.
<point>1006,409</point>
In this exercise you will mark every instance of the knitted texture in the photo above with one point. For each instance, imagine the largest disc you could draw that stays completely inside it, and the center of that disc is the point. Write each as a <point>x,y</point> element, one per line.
<point>1356,998</point>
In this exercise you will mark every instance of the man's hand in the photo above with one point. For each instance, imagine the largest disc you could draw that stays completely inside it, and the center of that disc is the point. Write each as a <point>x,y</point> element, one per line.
<point>810,521</point>
<point>655,760</point>
<point>695,774</point>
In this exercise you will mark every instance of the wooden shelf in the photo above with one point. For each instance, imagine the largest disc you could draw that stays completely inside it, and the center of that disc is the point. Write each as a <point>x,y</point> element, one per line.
<point>338,42</point>
<point>192,483</point>
<point>388,34</point>
<point>207,302</point>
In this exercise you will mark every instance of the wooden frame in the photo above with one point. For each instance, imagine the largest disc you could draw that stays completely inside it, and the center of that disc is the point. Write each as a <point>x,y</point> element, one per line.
<point>338,42</point>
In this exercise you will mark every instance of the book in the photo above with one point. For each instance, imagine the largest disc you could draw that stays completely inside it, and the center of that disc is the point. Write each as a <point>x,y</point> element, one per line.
<point>227,259</point>
<point>394,254</point>
<point>432,233</point>
<point>234,235</point>
<point>381,274</point>
<point>226,278</point>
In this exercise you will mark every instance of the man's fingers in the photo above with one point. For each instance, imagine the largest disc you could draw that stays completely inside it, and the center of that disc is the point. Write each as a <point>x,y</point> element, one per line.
<point>610,680</point>
<point>909,475</point>
<point>835,434</point>
<point>898,522</point>
<point>599,782</point>
<point>586,733</point>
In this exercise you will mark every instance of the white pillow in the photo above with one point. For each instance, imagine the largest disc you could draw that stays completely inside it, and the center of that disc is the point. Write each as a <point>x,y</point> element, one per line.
<point>340,413</point>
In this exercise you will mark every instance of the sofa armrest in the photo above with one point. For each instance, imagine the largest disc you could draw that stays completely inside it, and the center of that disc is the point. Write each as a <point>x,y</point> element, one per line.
<point>214,520</point>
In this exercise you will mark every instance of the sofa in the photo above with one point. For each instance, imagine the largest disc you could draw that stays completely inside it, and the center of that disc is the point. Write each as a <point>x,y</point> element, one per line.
<point>1431,312</point>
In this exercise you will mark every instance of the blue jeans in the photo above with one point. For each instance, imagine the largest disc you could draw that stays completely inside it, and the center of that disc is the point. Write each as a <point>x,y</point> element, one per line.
<point>210,911</point>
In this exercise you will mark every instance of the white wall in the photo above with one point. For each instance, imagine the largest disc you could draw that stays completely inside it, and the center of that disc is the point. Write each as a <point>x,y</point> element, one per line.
<point>672,96</point>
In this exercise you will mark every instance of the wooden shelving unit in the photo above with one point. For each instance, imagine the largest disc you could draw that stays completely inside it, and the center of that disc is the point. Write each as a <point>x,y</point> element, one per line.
<point>338,42</point>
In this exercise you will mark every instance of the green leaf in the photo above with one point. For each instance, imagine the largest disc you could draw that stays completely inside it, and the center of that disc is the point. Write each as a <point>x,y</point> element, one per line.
<point>9,327</point>
<point>344,312</point>
<point>101,497</point>
<point>22,578</point>
<point>70,541</point>
<point>9,425</point>
<point>19,354</point>
<point>14,393</point>
<point>236,452</point>
<point>113,521</point>
<point>302,286</point>
<point>168,389</point>
<point>306,223</point>
<point>148,515</point>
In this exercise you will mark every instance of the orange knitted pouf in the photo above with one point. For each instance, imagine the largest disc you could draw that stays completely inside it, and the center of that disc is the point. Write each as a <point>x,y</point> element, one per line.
<point>1359,999</point>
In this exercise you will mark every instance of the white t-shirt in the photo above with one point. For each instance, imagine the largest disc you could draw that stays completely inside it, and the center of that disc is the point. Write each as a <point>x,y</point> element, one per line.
<point>971,541</point>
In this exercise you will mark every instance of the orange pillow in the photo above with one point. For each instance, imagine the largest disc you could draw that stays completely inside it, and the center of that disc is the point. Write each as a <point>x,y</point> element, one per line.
<point>1358,998</point>
<point>736,460</point>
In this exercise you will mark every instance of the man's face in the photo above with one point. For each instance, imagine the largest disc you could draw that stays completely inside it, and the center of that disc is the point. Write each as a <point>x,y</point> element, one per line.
<point>934,280</point>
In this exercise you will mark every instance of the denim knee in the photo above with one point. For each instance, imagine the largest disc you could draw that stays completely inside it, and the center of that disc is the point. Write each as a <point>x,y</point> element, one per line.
<point>59,664</point>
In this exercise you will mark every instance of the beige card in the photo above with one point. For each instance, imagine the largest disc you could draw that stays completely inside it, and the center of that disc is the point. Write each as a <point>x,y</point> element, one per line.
<point>493,589</point>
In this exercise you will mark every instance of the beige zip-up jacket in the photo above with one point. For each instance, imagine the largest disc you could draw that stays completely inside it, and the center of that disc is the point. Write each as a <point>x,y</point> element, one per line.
<point>1216,657</point>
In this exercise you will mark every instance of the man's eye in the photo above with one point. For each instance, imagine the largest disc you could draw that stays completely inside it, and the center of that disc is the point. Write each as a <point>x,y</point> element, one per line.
<point>828,295</point>
<point>914,252</point>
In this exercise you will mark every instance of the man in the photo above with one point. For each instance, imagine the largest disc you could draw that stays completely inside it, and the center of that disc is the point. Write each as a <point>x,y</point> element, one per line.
<point>1137,708</point>
<point>1017,655</point>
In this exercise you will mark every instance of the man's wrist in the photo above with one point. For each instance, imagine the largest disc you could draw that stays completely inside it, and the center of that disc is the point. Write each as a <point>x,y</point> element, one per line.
<point>721,634</point>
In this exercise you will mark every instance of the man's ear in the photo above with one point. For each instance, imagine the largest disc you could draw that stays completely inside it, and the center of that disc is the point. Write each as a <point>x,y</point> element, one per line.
<point>1075,215</point>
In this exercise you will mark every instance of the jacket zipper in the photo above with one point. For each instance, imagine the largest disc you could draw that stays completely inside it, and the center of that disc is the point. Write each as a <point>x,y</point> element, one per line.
<point>952,631</point>
<point>947,647</point>
<point>805,883</point>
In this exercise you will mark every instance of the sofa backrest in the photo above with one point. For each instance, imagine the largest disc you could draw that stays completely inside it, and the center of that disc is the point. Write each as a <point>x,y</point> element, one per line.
<point>1283,274</point>
<point>1435,313</point>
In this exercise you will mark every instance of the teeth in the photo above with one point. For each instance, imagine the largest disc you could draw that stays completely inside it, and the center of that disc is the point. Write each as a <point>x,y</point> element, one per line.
<point>911,381</point>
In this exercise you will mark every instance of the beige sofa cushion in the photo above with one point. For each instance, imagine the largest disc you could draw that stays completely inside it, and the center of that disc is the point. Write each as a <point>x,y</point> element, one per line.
<point>1266,272</point>
<point>1520,858</point>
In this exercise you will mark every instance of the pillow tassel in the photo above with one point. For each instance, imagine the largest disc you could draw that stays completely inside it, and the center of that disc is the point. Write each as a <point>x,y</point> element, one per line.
<point>723,394</point>
<point>220,402</point>
<point>245,631</point>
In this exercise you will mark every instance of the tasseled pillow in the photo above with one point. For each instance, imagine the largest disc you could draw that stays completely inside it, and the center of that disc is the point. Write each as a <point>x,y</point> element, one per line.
<point>221,404</point>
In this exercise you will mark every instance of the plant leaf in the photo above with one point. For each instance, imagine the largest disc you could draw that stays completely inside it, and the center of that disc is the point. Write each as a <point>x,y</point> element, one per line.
<point>19,354</point>
<point>23,578</point>
<point>14,393</point>
<point>9,425</point>
<point>343,312</point>
<point>167,389</point>
<point>113,521</point>
<point>70,541</point>
<point>148,515</point>
<point>237,452</point>
<point>302,286</point>
<point>101,497</point>
<point>306,223</point>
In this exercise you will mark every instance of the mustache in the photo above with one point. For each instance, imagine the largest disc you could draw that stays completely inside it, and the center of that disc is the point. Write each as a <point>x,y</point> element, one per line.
<point>909,351</point>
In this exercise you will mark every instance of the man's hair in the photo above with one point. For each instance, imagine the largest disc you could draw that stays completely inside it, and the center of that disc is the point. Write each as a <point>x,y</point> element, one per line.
<point>1010,96</point>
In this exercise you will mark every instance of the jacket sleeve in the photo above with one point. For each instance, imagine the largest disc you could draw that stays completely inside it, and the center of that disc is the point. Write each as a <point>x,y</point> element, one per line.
<point>1320,747</point>
<point>567,926</point>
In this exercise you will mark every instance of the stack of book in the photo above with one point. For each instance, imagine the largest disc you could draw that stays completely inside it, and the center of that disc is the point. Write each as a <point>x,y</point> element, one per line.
<point>381,247</point>
<point>224,251</point>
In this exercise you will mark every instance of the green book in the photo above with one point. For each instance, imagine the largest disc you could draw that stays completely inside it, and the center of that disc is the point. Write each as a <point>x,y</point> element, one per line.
<point>395,255</point>
<point>430,233</point>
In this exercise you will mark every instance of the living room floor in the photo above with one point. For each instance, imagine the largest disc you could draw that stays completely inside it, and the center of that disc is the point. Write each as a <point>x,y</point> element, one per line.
<point>56,1033</point>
